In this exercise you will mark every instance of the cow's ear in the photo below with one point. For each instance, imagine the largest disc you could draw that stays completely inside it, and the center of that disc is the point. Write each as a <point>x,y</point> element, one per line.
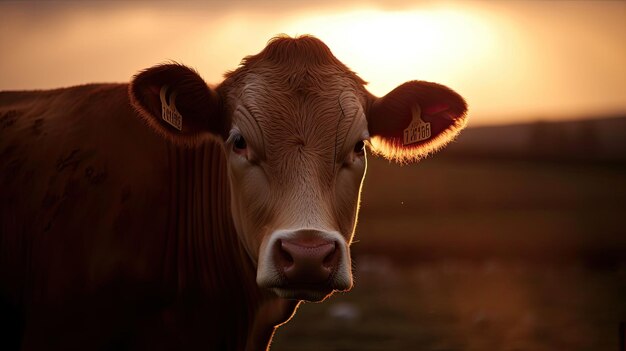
<point>414,120</point>
<point>178,104</point>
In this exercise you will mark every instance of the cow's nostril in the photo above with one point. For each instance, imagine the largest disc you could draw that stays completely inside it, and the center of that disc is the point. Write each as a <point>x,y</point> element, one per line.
<point>283,257</point>
<point>330,260</point>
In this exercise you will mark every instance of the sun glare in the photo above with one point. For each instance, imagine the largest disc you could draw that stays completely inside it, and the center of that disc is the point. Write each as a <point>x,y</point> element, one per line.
<point>386,47</point>
<point>511,61</point>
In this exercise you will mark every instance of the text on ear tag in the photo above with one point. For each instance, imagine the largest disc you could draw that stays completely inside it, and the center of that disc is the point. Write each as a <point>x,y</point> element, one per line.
<point>169,113</point>
<point>418,130</point>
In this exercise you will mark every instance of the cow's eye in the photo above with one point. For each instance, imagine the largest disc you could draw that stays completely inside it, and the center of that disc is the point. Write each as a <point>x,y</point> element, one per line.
<point>239,143</point>
<point>359,147</point>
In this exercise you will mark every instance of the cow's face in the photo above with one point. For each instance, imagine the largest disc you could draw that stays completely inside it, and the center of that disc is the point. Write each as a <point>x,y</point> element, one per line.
<point>296,155</point>
<point>295,123</point>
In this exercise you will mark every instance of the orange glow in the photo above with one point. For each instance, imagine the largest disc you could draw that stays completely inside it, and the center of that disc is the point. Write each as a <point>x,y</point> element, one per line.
<point>512,61</point>
<point>386,47</point>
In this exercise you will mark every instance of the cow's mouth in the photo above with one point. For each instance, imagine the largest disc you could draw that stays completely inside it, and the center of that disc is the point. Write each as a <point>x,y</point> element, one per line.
<point>312,294</point>
<point>307,290</point>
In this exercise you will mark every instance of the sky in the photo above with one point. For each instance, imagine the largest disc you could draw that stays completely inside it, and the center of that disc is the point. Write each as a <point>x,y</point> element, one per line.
<point>513,61</point>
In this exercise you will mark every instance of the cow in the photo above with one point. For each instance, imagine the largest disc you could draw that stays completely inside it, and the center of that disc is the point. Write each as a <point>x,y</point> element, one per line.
<point>170,214</point>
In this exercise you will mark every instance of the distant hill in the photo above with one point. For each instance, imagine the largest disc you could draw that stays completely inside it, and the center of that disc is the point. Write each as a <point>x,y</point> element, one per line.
<point>598,139</point>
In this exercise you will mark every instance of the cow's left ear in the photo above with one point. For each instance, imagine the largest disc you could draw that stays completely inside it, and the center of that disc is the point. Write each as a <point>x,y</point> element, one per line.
<point>414,120</point>
<point>178,104</point>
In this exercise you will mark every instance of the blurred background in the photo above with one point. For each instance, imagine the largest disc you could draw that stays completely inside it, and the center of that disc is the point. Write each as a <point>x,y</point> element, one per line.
<point>512,238</point>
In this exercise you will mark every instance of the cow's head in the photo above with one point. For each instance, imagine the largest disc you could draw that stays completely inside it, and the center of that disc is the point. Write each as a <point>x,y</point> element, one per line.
<point>295,123</point>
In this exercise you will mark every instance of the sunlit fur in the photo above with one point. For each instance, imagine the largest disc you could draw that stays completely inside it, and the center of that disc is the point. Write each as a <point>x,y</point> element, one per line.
<point>388,116</point>
<point>392,148</point>
<point>283,57</point>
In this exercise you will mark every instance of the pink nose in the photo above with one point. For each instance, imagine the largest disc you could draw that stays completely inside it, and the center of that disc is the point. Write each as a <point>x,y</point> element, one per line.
<point>306,261</point>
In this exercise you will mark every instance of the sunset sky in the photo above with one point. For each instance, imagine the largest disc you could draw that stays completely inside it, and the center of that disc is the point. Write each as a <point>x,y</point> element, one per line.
<point>512,61</point>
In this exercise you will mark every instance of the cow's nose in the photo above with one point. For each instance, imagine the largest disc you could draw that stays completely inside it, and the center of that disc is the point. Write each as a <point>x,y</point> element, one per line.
<point>306,261</point>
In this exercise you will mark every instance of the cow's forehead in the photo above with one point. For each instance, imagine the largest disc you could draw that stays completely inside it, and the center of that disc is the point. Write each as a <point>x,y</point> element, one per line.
<point>307,118</point>
<point>289,89</point>
<point>278,98</point>
<point>291,78</point>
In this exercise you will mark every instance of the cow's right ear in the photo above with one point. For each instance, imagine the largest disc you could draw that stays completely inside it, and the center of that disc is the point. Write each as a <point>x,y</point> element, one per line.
<point>178,104</point>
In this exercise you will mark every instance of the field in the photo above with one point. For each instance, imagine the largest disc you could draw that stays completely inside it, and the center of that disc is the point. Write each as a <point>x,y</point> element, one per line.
<point>476,207</point>
<point>465,305</point>
<point>480,253</point>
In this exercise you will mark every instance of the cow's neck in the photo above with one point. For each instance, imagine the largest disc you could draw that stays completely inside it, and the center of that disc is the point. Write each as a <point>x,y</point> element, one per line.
<point>205,260</point>
<point>200,233</point>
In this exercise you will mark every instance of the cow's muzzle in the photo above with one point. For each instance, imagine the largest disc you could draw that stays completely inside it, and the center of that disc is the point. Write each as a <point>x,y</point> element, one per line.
<point>305,264</point>
<point>307,260</point>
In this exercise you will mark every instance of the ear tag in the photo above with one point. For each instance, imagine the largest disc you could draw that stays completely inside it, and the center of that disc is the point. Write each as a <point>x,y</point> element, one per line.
<point>169,113</point>
<point>418,130</point>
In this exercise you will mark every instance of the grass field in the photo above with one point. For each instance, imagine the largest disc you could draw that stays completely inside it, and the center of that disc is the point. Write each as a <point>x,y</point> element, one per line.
<point>465,305</point>
<point>480,254</point>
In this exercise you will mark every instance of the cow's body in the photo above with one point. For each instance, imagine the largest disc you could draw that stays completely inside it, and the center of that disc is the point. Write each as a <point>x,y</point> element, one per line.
<point>123,238</point>
<point>207,233</point>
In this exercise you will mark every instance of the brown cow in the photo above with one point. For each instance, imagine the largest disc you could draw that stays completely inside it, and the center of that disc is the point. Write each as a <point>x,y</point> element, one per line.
<point>206,234</point>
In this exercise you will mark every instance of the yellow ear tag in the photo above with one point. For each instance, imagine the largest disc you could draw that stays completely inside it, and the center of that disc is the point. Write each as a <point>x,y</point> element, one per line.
<point>169,113</point>
<point>418,130</point>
